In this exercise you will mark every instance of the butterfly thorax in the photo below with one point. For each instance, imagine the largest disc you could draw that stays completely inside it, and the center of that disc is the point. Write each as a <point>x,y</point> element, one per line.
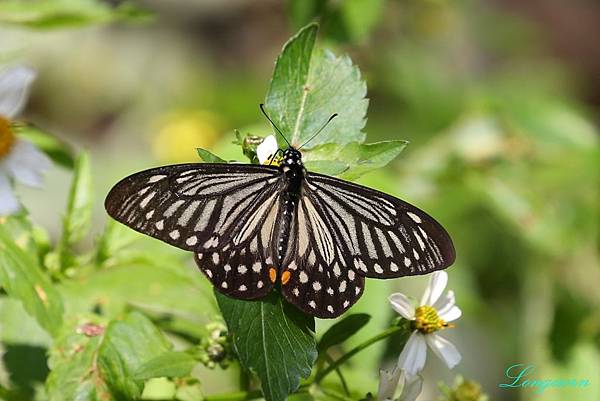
<point>294,173</point>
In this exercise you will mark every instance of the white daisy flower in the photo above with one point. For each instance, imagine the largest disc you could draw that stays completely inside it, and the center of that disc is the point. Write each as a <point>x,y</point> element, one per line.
<point>267,148</point>
<point>19,159</point>
<point>388,385</point>
<point>433,314</point>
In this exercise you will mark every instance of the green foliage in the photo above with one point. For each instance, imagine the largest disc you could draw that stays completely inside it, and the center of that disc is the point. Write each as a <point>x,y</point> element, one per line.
<point>22,278</point>
<point>308,86</point>
<point>343,330</point>
<point>167,364</point>
<point>209,157</point>
<point>77,220</point>
<point>354,159</point>
<point>49,14</point>
<point>272,340</point>
<point>127,346</point>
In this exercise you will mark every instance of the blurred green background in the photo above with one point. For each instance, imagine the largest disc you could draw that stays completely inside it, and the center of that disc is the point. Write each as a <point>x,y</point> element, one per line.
<point>499,100</point>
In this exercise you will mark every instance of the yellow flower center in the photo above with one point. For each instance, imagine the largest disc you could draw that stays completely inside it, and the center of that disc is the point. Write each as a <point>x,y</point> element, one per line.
<point>427,320</point>
<point>7,137</point>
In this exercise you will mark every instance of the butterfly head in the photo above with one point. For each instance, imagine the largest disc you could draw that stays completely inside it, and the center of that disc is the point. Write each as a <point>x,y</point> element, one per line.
<point>292,157</point>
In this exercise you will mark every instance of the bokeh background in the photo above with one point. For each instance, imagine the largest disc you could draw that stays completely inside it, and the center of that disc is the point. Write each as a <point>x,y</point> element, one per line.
<point>499,99</point>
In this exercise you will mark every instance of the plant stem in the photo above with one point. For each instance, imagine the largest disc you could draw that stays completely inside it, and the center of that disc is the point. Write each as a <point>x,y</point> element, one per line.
<point>339,373</point>
<point>384,334</point>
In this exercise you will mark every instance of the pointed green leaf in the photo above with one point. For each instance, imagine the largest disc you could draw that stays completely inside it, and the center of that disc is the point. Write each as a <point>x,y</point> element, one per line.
<point>169,364</point>
<point>128,344</point>
<point>77,221</point>
<point>358,158</point>
<point>209,157</point>
<point>343,330</point>
<point>308,86</point>
<point>273,340</point>
<point>22,278</point>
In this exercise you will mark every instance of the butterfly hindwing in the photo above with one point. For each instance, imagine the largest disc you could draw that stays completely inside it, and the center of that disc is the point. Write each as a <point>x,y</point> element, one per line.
<point>247,271</point>
<point>315,276</point>
<point>196,207</point>
<point>380,236</point>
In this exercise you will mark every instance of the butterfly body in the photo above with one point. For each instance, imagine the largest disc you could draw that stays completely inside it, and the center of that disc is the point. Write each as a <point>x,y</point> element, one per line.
<point>253,227</point>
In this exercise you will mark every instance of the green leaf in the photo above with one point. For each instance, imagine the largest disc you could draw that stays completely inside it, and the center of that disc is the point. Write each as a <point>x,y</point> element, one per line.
<point>77,220</point>
<point>329,167</point>
<point>308,86</point>
<point>169,364</point>
<point>343,330</point>
<point>74,373</point>
<point>22,278</point>
<point>58,151</point>
<point>273,340</point>
<point>209,157</point>
<point>358,158</point>
<point>127,345</point>
<point>79,209</point>
<point>48,14</point>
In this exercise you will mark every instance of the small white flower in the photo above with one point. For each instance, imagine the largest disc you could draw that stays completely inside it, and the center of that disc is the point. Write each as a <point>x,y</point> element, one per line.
<point>432,315</point>
<point>267,148</point>
<point>19,159</point>
<point>388,384</point>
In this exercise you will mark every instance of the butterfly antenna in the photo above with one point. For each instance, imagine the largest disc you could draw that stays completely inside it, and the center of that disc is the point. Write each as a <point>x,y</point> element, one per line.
<point>262,108</point>
<point>319,131</point>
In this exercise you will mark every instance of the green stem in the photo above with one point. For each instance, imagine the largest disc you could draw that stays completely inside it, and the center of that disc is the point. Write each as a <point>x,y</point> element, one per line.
<point>383,335</point>
<point>339,373</point>
<point>335,395</point>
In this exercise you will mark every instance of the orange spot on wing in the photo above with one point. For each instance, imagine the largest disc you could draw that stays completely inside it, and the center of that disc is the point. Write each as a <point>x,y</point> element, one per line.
<point>285,277</point>
<point>272,274</point>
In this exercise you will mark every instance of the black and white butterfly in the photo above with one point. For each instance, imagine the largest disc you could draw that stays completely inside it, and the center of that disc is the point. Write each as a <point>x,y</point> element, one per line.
<point>254,227</point>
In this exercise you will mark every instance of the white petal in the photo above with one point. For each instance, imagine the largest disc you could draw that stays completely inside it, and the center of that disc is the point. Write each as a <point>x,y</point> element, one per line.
<point>388,382</point>
<point>402,305</point>
<point>412,388</point>
<point>413,355</point>
<point>434,289</point>
<point>446,301</point>
<point>446,307</point>
<point>14,90</point>
<point>450,314</point>
<point>266,149</point>
<point>444,349</point>
<point>26,163</point>
<point>8,202</point>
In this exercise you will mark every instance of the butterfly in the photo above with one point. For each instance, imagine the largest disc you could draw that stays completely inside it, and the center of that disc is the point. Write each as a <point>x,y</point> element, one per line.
<point>256,227</point>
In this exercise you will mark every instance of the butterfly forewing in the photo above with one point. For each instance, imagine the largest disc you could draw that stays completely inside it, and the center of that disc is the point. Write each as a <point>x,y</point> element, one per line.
<point>380,236</point>
<point>196,207</point>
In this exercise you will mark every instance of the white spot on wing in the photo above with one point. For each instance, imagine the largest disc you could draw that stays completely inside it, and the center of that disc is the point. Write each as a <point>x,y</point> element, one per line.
<point>316,286</point>
<point>191,241</point>
<point>156,178</point>
<point>414,217</point>
<point>147,199</point>
<point>303,278</point>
